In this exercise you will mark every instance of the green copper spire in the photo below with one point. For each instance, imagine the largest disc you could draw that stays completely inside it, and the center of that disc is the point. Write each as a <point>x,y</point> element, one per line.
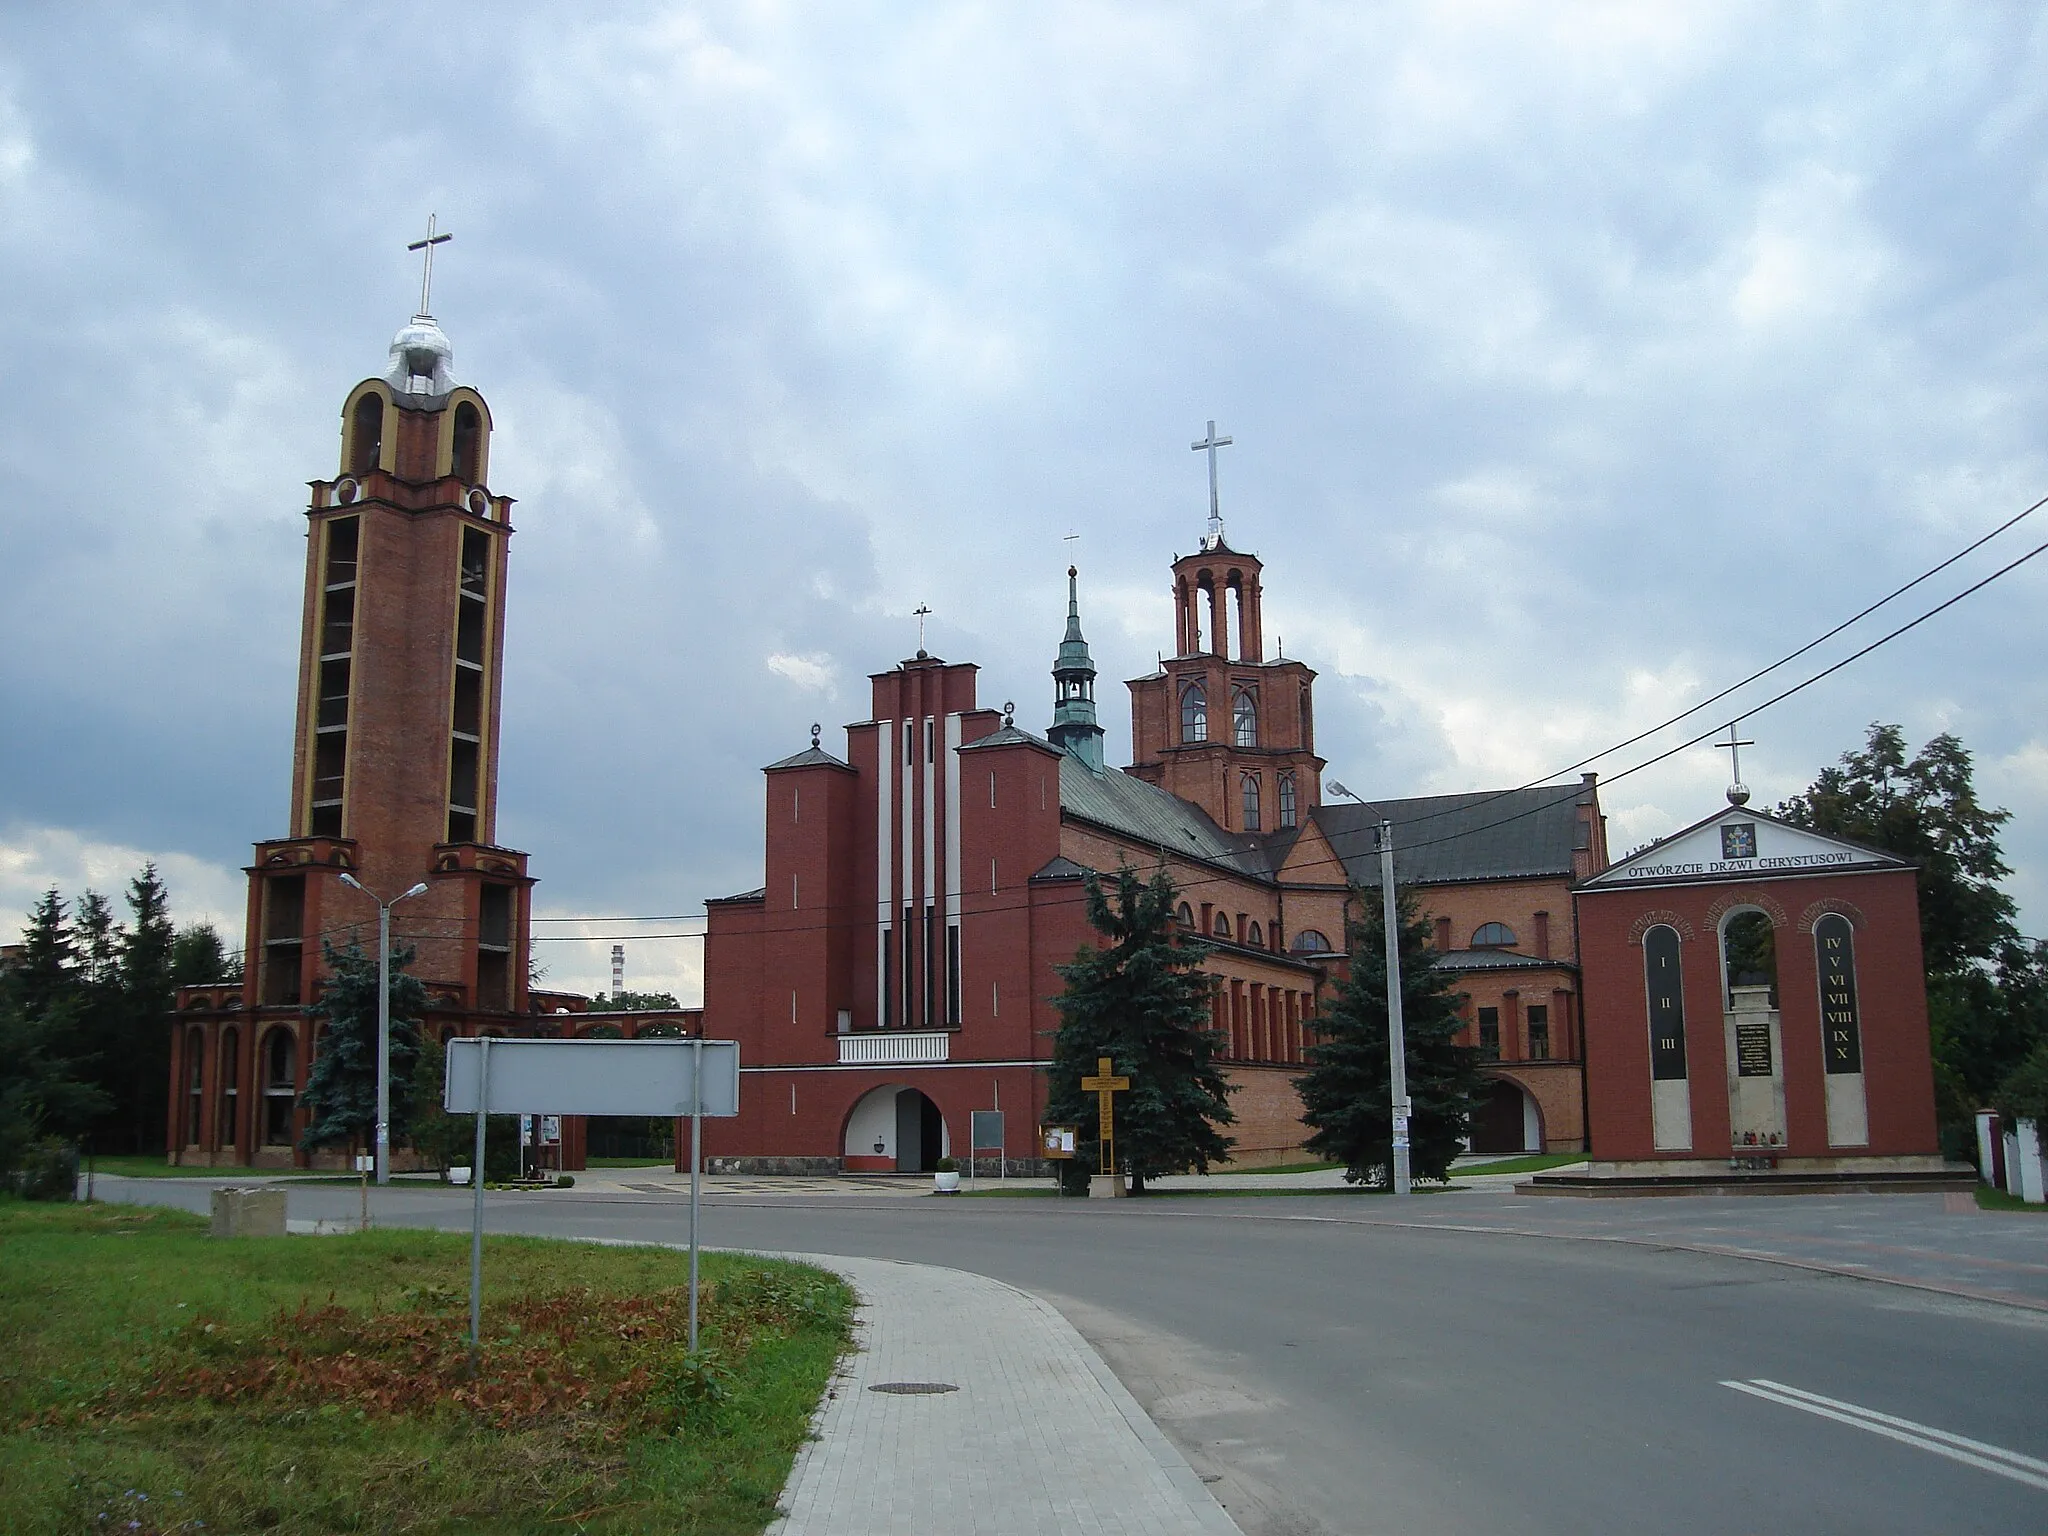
<point>1073,717</point>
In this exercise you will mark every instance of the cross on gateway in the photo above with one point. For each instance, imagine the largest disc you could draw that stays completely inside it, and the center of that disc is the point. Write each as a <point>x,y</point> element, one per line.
<point>1209,445</point>
<point>1105,1086</point>
<point>1733,748</point>
<point>426,247</point>
<point>922,611</point>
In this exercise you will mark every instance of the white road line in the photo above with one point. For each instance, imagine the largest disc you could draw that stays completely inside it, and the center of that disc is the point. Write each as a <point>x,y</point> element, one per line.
<point>1975,1453</point>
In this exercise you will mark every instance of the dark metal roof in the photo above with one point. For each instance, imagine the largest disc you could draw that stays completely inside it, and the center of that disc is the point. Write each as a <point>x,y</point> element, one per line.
<point>1009,736</point>
<point>755,895</point>
<point>1497,960</point>
<point>1063,868</point>
<point>1123,804</point>
<point>1498,835</point>
<point>810,757</point>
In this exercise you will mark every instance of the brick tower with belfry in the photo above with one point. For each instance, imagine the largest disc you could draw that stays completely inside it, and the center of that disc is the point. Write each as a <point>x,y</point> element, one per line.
<point>1219,724</point>
<point>394,764</point>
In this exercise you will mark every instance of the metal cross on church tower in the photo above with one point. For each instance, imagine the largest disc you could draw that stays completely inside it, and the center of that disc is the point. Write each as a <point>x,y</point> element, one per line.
<point>1209,445</point>
<point>426,247</point>
<point>923,611</point>
<point>1738,792</point>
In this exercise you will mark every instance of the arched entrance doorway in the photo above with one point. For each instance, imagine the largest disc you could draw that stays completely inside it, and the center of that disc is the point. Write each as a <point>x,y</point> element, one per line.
<point>894,1129</point>
<point>1506,1119</point>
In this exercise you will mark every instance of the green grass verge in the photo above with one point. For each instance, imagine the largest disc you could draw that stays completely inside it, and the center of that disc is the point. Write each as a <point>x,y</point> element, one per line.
<point>157,1168</point>
<point>1989,1199</point>
<point>1535,1163</point>
<point>317,1385</point>
<point>1285,1168</point>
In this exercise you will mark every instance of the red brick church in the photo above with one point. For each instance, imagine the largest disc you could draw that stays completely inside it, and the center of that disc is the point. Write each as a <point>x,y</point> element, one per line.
<point>894,971</point>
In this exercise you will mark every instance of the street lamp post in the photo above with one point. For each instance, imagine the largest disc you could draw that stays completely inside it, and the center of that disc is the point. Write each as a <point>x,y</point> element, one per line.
<point>1397,1037</point>
<point>383,1140</point>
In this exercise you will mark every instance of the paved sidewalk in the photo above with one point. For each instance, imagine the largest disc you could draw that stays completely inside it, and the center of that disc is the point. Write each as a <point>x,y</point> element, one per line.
<point>1039,1439</point>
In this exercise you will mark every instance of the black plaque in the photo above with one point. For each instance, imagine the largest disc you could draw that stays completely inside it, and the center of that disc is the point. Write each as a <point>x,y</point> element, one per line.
<point>1738,840</point>
<point>1752,1046</point>
<point>1666,990</point>
<point>1841,1028</point>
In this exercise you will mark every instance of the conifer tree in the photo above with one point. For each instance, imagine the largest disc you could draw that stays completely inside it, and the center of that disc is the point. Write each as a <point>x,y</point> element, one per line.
<point>341,1086</point>
<point>1345,1093</point>
<point>1143,1002</point>
<point>46,972</point>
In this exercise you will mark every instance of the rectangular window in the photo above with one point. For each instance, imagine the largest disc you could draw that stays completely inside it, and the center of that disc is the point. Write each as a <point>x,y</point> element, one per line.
<point>469,633</point>
<point>494,947</point>
<point>909,966</point>
<point>468,718</point>
<point>337,622</point>
<point>333,710</point>
<point>953,974</point>
<point>991,791</point>
<point>341,552</point>
<point>476,552</point>
<point>462,766</point>
<point>1539,1032</point>
<point>888,978</point>
<point>930,742</point>
<point>931,971</point>
<point>1489,1034</point>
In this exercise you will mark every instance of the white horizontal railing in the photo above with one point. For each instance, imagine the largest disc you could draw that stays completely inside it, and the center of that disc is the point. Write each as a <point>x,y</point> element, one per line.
<point>893,1046</point>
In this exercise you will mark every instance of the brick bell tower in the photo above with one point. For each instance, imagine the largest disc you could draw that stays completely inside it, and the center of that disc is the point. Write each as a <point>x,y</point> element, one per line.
<point>1218,724</point>
<point>395,760</point>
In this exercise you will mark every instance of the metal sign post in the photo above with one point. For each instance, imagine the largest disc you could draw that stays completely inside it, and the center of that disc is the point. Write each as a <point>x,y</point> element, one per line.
<point>476,1220</point>
<point>661,1077</point>
<point>696,1172</point>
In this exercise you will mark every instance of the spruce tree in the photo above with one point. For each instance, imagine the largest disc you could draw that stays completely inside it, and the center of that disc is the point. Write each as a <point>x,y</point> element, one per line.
<point>46,973</point>
<point>143,1066</point>
<point>341,1085</point>
<point>1143,1002</point>
<point>199,957</point>
<point>1345,1093</point>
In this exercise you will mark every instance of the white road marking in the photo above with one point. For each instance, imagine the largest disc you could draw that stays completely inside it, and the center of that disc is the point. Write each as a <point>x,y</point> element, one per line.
<point>1975,1453</point>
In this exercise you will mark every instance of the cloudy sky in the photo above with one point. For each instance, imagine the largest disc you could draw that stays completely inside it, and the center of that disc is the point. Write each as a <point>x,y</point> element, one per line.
<point>1579,360</point>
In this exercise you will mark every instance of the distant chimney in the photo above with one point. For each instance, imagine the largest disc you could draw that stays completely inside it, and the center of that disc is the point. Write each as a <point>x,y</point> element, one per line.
<point>618,973</point>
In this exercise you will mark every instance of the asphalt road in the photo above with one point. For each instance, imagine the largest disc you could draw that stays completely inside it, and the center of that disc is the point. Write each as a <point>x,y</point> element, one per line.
<point>1332,1376</point>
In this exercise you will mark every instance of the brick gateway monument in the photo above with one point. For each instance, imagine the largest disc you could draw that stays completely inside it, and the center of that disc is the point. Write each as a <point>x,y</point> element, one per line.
<point>1756,1011</point>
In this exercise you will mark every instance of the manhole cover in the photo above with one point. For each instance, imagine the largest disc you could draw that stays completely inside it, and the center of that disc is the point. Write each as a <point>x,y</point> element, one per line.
<point>914,1388</point>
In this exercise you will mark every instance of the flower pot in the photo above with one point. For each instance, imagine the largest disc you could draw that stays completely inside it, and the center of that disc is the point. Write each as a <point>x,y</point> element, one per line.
<point>946,1183</point>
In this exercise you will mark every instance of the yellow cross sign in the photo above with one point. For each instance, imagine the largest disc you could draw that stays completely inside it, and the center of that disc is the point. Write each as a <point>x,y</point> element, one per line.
<point>1103,1085</point>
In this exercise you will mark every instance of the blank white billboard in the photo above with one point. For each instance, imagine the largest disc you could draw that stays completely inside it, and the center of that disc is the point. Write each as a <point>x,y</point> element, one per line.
<point>593,1077</point>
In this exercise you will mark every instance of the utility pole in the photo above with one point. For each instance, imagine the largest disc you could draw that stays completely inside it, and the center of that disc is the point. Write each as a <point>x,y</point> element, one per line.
<point>383,1138</point>
<point>1397,1037</point>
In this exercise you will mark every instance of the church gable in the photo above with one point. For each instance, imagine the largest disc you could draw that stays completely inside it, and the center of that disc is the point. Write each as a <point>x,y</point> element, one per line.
<point>1741,844</point>
<point>1312,861</point>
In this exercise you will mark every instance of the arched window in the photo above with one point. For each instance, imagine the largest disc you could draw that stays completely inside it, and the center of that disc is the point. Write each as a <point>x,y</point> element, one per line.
<point>1286,799</point>
<point>1194,713</point>
<point>1494,936</point>
<point>195,1085</point>
<point>1244,718</point>
<point>1221,926</point>
<point>1841,1032</point>
<point>366,434</point>
<point>230,1062</point>
<point>1255,937</point>
<point>469,444</point>
<point>1251,802</point>
<point>1665,985</point>
<point>280,1087</point>
<point>1311,941</point>
<point>1185,916</point>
